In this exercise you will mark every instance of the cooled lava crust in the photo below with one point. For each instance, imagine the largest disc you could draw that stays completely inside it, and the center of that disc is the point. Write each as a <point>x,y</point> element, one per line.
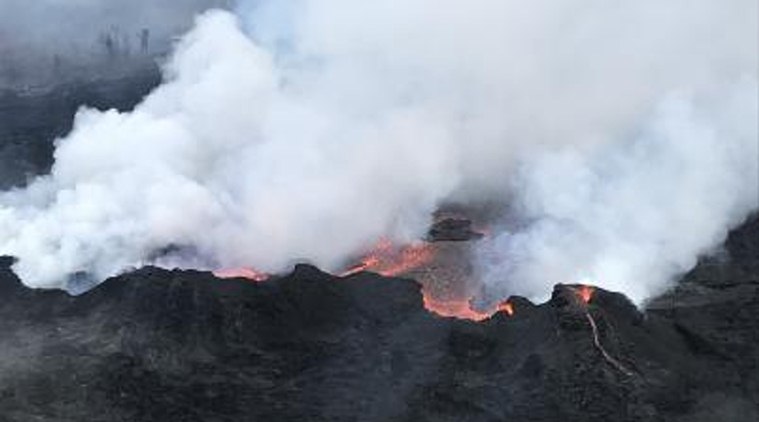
<point>156,345</point>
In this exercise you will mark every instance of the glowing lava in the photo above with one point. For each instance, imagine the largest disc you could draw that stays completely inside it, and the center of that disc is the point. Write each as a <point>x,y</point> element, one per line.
<point>585,293</point>
<point>507,307</point>
<point>249,273</point>
<point>454,308</point>
<point>389,260</point>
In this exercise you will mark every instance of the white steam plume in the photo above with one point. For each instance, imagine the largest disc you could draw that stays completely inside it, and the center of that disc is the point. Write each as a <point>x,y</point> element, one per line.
<point>633,215</point>
<point>334,122</point>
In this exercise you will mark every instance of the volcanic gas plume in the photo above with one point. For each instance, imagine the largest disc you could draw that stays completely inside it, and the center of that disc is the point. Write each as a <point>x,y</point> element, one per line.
<point>621,140</point>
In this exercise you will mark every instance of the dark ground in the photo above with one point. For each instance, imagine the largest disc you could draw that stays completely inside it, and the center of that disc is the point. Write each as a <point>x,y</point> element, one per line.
<point>31,119</point>
<point>157,345</point>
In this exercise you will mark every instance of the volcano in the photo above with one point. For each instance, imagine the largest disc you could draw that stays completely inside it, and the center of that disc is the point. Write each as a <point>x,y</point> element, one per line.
<point>419,168</point>
<point>158,345</point>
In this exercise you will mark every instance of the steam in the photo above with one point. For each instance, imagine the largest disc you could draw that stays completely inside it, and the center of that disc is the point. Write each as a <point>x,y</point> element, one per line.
<point>632,215</point>
<point>307,129</point>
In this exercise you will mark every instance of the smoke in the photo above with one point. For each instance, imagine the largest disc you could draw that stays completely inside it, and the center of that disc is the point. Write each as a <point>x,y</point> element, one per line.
<point>307,129</point>
<point>631,216</point>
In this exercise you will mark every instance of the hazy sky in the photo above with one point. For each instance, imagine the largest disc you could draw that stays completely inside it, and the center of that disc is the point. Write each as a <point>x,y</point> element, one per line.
<point>62,24</point>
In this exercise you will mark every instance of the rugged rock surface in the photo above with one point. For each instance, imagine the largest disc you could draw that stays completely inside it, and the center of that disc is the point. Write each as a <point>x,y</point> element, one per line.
<point>453,230</point>
<point>156,345</point>
<point>31,119</point>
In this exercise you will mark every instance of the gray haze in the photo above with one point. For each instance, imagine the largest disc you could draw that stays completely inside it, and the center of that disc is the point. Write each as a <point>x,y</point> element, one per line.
<point>622,135</point>
<point>36,36</point>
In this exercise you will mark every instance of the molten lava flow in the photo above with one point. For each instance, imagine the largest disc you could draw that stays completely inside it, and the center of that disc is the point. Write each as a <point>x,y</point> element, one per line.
<point>389,260</point>
<point>507,307</point>
<point>249,273</point>
<point>366,264</point>
<point>454,308</point>
<point>585,293</point>
<point>597,343</point>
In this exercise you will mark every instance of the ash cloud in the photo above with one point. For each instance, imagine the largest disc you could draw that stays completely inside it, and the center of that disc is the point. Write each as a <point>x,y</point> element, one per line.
<point>307,129</point>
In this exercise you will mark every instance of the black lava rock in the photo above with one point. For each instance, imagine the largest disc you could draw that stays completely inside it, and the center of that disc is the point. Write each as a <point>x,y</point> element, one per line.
<point>157,345</point>
<point>454,230</point>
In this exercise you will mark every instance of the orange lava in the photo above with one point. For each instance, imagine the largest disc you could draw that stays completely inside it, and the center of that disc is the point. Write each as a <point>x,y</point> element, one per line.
<point>390,260</point>
<point>249,273</point>
<point>454,308</point>
<point>507,307</point>
<point>585,293</point>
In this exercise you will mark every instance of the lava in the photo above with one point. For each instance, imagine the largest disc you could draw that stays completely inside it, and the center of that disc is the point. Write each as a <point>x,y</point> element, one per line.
<point>249,273</point>
<point>507,307</point>
<point>389,260</point>
<point>454,308</point>
<point>585,293</point>
<point>597,343</point>
<point>462,309</point>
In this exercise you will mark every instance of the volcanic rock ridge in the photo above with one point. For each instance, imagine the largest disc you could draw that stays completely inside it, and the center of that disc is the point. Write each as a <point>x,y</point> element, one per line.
<point>158,345</point>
